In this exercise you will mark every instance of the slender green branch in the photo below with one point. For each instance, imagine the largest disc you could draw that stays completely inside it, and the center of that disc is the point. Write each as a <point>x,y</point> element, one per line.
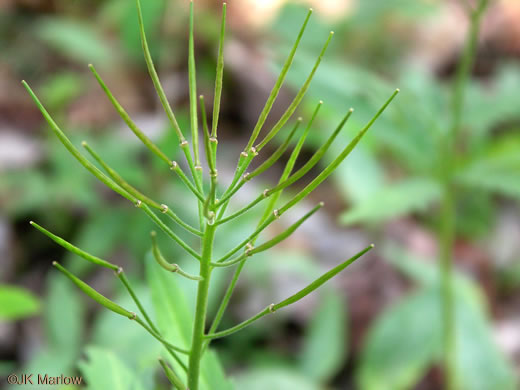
<point>197,344</point>
<point>290,164</point>
<point>131,124</point>
<point>278,85</point>
<point>146,200</point>
<point>124,280</point>
<point>162,96</point>
<point>277,153</point>
<point>168,231</point>
<point>207,146</point>
<point>334,164</point>
<point>103,263</point>
<point>293,298</point>
<point>249,152</point>
<point>93,294</point>
<point>251,250</point>
<point>74,249</point>
<point>159,338</point>
<point>75,152</point>
<point>265,165</point>
<point>209,203</point>
<point>172,376</point>
<point>267,213</point>
<point>177,169</point>
<point>297,100</point>
<point>447,231</point>
<point>316,157</point>
<point>165,264</point>
<point>220,74</point>
<point>193,92</point>
<point>112,306</point>
<point>251,237</point>
<point>155,77</point>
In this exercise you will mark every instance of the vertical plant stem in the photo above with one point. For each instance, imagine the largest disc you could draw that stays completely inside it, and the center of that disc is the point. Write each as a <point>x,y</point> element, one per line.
<point>201,308</point>
<point>447,233</point>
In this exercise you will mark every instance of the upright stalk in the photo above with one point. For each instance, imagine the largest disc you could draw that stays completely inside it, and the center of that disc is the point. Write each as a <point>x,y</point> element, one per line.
<point>201,308</point>
<point>447,233</point>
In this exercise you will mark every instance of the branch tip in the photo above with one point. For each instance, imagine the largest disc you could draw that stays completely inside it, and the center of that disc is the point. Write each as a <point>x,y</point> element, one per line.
<point>55,263</point>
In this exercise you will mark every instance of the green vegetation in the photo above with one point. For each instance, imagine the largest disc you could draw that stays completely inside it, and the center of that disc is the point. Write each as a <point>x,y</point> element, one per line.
<point>189,364</point>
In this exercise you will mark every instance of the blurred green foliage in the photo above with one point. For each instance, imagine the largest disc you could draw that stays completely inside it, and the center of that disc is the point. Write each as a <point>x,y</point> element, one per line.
<point>394,173</point>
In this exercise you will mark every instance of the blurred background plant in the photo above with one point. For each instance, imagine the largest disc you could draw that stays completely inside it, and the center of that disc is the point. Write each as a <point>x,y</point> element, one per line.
<point>377,327</point>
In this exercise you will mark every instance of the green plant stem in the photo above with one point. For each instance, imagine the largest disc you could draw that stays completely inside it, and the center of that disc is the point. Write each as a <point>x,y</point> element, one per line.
<point>159,258</point>
<point>293,298</point>
<point>197,343</point>
<point>162,96</point>
<point>272,242</point>
<point>220,75</point>
<point>124,280</point>
<point>172,376</point>
<point>130,123</point>
<point>177,169</point>
<point>145,199</point>
<point>168,231</point>
<point>447,232</point>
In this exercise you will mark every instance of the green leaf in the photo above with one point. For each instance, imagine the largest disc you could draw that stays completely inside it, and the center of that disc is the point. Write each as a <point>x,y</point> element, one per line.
<point>402,344</point>
<point>74,40</point>
<point>361,177</point>
<point>497,169</point>
<point>104,370</point>
<point>406,340</point>
<point>17,303</point>
<point>480,364</point>
<point>396,200</point>
<point>274,379</point>
<point>64,316</point>
<point>175,319</point>
<point>325,344</point>
<point>124,337</point>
